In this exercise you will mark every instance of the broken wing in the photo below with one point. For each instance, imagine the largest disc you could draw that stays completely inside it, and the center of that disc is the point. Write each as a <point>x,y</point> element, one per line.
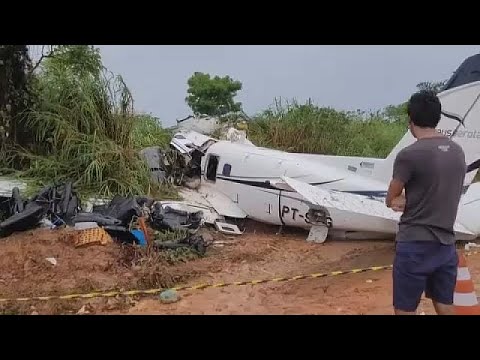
<point>356,212</point>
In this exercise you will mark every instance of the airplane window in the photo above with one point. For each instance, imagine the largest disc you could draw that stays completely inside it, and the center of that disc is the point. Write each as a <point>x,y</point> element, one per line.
<point>368,165</point>
<point>212,168</point>
<point>227,168</point>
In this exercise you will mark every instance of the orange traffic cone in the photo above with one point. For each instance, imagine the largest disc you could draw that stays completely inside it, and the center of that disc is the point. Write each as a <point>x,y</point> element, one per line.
<point>464,298</point>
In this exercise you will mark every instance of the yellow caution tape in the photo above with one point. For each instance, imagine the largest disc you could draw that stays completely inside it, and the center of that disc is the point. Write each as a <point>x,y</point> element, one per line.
<point>107,294</point>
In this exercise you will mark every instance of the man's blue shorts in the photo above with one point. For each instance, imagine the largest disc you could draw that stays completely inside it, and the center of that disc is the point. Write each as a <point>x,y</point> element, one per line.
<point>423,266</point>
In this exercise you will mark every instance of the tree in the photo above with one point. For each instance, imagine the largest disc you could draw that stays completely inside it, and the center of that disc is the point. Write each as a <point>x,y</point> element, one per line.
<point>16,96</point>
<point>435,86</point>
<point>79,60</point>
<point>212,96</point>
<point>399,112</point>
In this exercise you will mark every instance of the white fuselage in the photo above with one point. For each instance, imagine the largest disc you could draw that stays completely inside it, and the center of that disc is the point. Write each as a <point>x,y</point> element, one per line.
<point>245,175</point>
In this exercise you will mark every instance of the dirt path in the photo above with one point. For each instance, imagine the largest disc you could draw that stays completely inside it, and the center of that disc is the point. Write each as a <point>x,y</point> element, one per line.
<point>270,256</point>
<point>259,254</point>
<point>365,293</point>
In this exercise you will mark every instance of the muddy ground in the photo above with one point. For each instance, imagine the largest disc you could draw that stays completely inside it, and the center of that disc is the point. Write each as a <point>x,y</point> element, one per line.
<point>258,254</point>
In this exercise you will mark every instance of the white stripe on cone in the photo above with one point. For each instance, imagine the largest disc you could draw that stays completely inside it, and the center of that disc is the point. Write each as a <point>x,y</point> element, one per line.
<point>469,299</point>
<point>463,274</point>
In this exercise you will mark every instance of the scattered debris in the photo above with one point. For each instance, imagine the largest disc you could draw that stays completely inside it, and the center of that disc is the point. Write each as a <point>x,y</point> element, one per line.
<point>83,310</point>
<point>164,217</point>
<point>202,124</point>
<point>53,205</point>
<point>121,219</point>
<point>471,245</point>
<point>86,225</point>
<point>140,236</point>
<point>194,242</point>
<point>92,236</point>
<point>119,211</point>
<point>45,223</point>
<point>238,136</point>
<point>117,218</point>
<point>97,218</point>
<point>227,228</point>
<point>52,261</point>
<point>221,243</point>
<point>154,158</point>
<point>169,296</point>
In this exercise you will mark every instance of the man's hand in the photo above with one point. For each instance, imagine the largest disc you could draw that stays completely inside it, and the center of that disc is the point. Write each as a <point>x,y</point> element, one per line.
<point>398,204</point>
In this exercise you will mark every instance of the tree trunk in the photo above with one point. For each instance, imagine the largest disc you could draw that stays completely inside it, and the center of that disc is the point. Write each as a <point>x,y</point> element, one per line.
<point>15,95</point>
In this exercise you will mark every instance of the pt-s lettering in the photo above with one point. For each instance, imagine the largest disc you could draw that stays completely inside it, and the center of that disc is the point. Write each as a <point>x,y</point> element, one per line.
<point>306,217</point>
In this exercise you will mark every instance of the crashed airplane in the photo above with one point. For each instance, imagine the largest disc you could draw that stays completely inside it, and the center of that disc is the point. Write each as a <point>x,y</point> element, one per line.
<point>331,196</point>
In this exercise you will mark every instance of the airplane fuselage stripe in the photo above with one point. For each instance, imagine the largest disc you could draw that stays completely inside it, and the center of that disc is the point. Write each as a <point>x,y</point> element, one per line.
<point>266,184</point>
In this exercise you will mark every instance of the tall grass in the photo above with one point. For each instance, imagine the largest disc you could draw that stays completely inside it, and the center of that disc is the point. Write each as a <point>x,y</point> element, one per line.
<point>86,131</point>
<point>312,129</point>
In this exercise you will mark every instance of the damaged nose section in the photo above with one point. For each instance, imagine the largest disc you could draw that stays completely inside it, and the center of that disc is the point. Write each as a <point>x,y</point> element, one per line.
<point>181,163</point>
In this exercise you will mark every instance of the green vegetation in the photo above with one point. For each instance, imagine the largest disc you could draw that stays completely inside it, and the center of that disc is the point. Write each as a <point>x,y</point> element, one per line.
<point>84,128</point>
<point>312,129</point>
<point>147,131</point>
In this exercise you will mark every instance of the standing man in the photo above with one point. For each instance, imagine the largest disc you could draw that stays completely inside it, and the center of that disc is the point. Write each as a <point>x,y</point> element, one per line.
<point>432,172</point>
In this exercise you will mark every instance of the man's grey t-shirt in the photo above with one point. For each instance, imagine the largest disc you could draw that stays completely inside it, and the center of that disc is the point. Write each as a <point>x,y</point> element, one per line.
<point>433,171</point>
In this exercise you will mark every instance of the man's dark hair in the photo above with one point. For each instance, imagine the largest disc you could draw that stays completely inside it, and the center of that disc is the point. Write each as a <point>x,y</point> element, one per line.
<point>424,109</point>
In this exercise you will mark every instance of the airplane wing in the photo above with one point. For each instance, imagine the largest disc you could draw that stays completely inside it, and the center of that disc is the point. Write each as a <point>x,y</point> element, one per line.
<point>372,215</point>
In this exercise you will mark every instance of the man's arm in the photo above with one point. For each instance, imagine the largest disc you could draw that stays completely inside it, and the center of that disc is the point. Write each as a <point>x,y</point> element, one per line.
<point>395,189</point>
<point>402,173</point>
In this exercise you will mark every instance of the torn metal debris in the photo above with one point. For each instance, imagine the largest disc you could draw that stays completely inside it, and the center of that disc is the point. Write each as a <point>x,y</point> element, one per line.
<point>120,219</point>
<point>58,204</point>
<point>164,217</point>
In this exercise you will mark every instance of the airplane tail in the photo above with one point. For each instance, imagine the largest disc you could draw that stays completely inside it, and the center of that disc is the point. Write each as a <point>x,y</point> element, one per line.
<point>469,209</point>
<point>460,99</point>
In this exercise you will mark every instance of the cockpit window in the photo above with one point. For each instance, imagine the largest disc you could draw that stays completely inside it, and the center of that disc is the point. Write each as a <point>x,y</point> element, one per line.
<point>212,167</point>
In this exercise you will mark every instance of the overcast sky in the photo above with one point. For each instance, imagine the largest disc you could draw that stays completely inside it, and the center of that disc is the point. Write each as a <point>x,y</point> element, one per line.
<point>346,77</point>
